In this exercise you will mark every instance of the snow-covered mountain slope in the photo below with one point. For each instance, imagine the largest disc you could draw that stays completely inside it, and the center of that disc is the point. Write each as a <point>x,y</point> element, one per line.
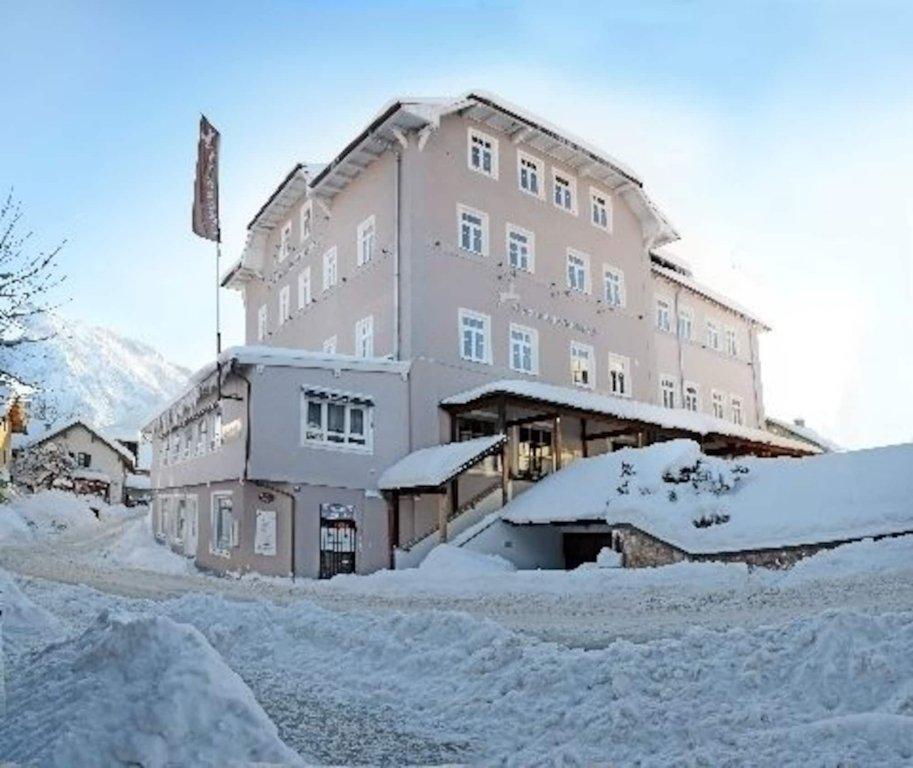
<point>93,373</point>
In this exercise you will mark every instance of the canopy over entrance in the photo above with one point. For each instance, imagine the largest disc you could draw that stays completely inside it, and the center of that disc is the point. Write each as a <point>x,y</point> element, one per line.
<point>429,469</point>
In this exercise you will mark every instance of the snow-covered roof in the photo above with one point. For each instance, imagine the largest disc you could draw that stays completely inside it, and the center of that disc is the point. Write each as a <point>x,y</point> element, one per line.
<point>708,293</point>
<point>91,474</point>
<point>56,430</point>
<point>803,432</point>
<point>775,503</point>
<point>138,482</point>
<point>431,467</point>
<point>670,418</point>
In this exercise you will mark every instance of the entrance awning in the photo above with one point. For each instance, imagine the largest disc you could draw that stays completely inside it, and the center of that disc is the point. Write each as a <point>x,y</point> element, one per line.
<point>430,468</point>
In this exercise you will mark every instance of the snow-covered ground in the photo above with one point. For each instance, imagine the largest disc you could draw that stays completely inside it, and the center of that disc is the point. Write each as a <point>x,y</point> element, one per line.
<point>117,651</point>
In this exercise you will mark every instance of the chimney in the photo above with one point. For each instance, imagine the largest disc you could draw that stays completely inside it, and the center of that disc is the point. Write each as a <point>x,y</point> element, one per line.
<point>799,422</point>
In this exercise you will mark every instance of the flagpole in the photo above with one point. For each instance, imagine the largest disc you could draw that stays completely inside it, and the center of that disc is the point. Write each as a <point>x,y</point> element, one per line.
<point>218,321</point>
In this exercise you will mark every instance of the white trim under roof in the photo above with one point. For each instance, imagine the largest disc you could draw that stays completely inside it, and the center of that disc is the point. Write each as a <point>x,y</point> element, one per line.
<point>624,408</point>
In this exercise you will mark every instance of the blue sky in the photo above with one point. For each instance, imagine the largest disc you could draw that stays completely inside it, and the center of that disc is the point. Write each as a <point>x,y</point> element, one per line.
<point>775,135</point>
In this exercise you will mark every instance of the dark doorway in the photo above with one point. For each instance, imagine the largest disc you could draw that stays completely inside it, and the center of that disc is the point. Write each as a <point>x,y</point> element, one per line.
<point>534,453</point>
<point>337,547</point>
<point>580,548</point>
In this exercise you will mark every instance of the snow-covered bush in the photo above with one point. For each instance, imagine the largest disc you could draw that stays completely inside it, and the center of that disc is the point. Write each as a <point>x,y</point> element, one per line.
<point>48,465</point>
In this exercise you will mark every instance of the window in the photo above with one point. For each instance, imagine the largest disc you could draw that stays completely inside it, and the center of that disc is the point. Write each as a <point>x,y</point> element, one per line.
<point>692,397</point>
<point>582,365</point>
<point>215,438</point>
<point>483,153</point>
<point>365,236</point>
<point>284,238</point>
<point>332,419</point>
<point>520,248</point>
<point>83,460</point>
<point>529,175</point>
<point>735,406</point>
<point>716,400</point>
<point>614,285</point>
<point>600,210</point>
<point>364,337</point>
<point>329,345</point>
<point>307,220</point>
<point>473,234</point>
<point>304,287</point>
<point>201,437</point>
<point>524,349</point>
<point>330,274</point>
<point>663,315</point>
<point>564,192</point>
<point>224,526</point>
<point>578,270</point>
<point>284,303</point>
<point>619,375</point>
<point>475,330</point>
<point>732,344</point>
<point>667,391</point>
<point>713,335</point>
<point>685,323</point>
<point>261,323</point>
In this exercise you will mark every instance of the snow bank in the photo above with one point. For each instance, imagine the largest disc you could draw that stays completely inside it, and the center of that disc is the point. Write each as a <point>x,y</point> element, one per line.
<point>47,513</point>
<point>23,624</point>
<point>456,562</point>
<point>137,548</point>
<point>704,504</point>
<point>135,690</point>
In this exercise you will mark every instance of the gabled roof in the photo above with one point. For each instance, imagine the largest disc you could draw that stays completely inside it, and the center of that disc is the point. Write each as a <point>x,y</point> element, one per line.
<point>124,453</point>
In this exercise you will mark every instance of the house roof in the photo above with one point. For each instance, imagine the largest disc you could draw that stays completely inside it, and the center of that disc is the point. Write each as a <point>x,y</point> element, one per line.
<point>802,432</point>
<point>432,467</point>
<point>34,440</point>
<point>623,408</point>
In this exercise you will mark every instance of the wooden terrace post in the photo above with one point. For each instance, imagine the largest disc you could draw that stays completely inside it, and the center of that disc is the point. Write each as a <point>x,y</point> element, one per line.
<point>583,440</point>
<point>556,442</point>
<point>505,450</point>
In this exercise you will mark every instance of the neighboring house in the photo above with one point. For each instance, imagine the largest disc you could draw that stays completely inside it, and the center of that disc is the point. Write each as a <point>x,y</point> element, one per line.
<point>13,420</point>
<point>137,489</point>
<point>102,463</point>
<point>798,430</point>
<point>462,272</point>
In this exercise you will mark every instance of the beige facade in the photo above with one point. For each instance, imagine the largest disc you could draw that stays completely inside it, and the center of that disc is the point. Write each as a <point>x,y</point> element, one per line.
<point>471,243</point>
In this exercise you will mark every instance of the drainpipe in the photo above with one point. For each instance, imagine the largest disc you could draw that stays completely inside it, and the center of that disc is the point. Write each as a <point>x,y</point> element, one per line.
<point>397,171</point>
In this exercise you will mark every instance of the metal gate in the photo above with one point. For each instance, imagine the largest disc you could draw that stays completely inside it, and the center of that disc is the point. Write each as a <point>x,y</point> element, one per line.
<point>337,540</point>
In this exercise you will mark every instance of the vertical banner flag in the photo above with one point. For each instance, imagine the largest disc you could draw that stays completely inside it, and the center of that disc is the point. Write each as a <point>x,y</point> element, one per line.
<point>206,184</point>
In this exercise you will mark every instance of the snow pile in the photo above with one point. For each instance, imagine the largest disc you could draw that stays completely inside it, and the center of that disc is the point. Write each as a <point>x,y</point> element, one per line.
<point>455,563</point>
<point>46,513</point>
<point>137,548</point>
<point>135,690</point>
<point>703,504</point>
<point>23,625</point>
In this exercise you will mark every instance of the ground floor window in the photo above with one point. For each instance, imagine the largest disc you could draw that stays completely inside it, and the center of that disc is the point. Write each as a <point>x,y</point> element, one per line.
<point>224,533</point>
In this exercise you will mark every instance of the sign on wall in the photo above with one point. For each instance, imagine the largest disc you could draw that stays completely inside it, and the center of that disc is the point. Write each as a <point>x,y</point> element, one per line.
<point>265,535</point>
<point>337,511</point>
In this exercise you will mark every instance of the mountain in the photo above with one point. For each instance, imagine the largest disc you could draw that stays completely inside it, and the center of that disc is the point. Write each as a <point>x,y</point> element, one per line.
<point>91,372</point>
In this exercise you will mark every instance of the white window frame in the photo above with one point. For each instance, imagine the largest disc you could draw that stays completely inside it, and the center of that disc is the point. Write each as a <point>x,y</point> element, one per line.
<point>472,134</point>
<point>713,335</point>
<point>530,247</point>
<point>585,258</point>
<point>609,269</point>
<point>364,337</point>
<point>304,287</point>
<point>697,396</point>
<point>330,344</point>
<point>330,269</point>
<point>539,167</point>
<point>319,435</point>
<point>685,316</point>
<point>577,347</point>
<point>366,240</point>
<point>483,225</point>
<point>285,304</point>
<point>620,364</point>
<point>730,341</point>
<point>469,314</point>
<point>718,404</point>
<point>533,344</point>
<point>215,528</point>
<point>663,300</point>
<point>285,238</point>
<point>572,188</point>
<point>306,220</point>
<point>668,385</point>
<point>606,200</point>
<point>736,411</point>
<point>262,322</point>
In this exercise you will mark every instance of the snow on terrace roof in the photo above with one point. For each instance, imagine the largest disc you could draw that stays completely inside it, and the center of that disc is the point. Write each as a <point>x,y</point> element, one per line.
<point>33,440</point>
<point>431,467</point>
<point>709,293</point>
<point>806,433</point>
<point>670,418</point>
<point>776,503</point>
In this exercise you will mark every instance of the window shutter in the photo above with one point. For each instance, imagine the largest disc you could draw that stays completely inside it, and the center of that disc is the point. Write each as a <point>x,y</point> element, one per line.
<point>235,531</point>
